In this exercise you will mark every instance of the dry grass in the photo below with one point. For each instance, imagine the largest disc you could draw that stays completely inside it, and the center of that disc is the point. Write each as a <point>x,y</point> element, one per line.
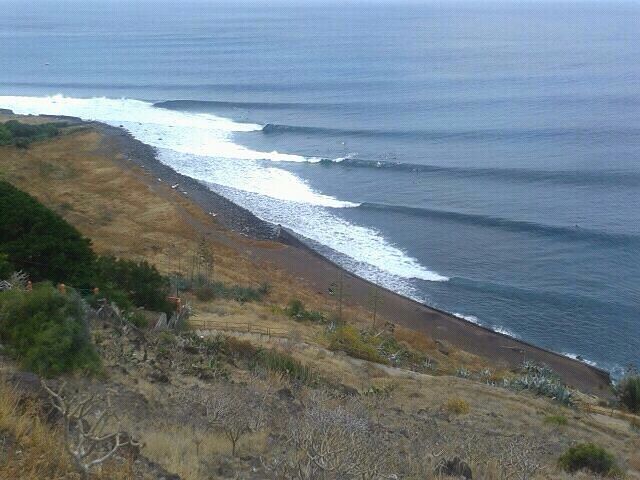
<point>30,449</point>
<point>127,213</point>
<point>457,406</point>
<point>416,340</point>
<point>186,451</point>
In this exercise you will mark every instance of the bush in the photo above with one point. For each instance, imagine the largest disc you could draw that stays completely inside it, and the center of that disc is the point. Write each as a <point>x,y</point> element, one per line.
<point>629,393</point>
<point>558,420</point>
<point>587,456</point>
<point>457,406</point>
<point>22,134</point>
<point>205,293</point>
<point>40,242</point>
<point>139,320</point>
<point>139,281</point>
<point>349,340</point>
<point>296,310</point>
<point>240,348</point>
<point>6,269</point>
<point>283,363</point>
<point>264,288</point>
<point>238,293</point>
<point>46,330</point>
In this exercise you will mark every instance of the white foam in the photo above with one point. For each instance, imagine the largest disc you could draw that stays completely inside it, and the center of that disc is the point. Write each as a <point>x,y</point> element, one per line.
<point>468,318</point>
<point>504,331</point>
<point>249,177</point>
<point>201,146</point>
<point>364,245</point>
<point>581,359</point>
<point>197,133</point>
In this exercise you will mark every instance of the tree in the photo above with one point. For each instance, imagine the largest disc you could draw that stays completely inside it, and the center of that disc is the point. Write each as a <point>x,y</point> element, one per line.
<point>233,411</point>
<point>328,441</point>
<point>40,242</point>
<point>84,423</point>
<point>140,282</point>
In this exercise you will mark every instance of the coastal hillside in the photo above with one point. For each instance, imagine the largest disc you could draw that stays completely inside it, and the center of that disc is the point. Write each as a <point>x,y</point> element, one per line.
<point>152,330</point>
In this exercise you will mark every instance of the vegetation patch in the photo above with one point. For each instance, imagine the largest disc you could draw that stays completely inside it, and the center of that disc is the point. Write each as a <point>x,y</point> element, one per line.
<point>588,456</point>
<point>457,406</point>
<point>349,339</point>
<point>218,290</point>
<point>541,380</point>
<point>40,242</point>
<point>46,330</point>
<point>285,364</point>
<point>22,134</point>
<point>556,420</point>
<point>296,310</point>
<point>129,283</point>
<point>629,392</point>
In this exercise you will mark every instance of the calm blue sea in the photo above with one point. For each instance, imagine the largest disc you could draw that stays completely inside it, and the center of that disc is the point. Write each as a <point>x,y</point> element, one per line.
<point>483,157</point>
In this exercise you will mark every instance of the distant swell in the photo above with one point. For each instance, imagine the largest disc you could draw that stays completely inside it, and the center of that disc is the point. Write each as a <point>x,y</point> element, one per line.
<point>561,232</point>
<point>588,135</point>
<point>207,106</point>
<point>567,177</point>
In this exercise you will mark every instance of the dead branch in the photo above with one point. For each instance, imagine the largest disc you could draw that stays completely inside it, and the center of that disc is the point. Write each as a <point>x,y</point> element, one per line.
<point>85,427</point>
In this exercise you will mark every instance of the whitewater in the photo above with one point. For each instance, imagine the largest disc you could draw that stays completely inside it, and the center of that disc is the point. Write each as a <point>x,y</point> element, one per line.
<point>202,147</point>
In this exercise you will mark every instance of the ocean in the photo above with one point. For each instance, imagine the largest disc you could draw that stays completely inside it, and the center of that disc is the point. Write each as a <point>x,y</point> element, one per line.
<point>482,157</point>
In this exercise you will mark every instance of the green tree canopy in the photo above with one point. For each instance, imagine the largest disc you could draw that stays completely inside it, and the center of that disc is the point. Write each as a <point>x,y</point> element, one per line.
<point>40,242</point>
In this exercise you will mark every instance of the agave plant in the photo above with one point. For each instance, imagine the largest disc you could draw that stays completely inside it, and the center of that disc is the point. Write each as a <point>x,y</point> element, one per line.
<point>540,379</point>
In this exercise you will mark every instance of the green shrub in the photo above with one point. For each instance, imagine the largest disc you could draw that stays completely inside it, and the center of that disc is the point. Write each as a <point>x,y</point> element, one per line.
<point>629,393</point>
<point>348,339</point>
<point>5,135</point>
<point>264,288</point>
<point>557,420</point>
<point>21,134</point>
<point>114,295</point>
<point>587,456</point>
<point>40,242</point>
<point>238,293</point>
<point>6,269</point>
<point>280,362</point>
<point>139,320</point>
<point>205,293</point>
<point>243,294</point>
<point>46,330</point>
<point>167,339</point>
<point>141,282</point>
<point>296,310</point>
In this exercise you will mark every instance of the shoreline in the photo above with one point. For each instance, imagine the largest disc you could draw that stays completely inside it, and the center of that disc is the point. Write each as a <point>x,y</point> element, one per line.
<point>302,261</point>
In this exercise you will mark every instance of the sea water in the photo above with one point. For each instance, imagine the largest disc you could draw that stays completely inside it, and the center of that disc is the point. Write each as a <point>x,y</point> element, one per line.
<point>482,157</point>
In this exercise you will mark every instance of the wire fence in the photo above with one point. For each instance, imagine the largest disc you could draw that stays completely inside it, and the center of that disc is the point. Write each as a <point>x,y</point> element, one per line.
<point>202,324</point>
